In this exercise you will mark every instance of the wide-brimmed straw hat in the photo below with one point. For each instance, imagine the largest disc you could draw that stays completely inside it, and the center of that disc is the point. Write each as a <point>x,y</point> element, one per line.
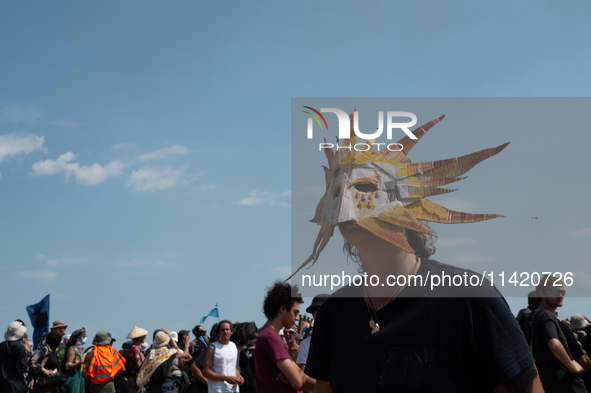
<point>15,331</point>
<point>137,332</point>
<point>161,340</point>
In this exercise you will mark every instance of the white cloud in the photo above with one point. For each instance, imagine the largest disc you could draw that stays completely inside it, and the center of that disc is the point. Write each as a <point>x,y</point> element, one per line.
<point>18,113</point>
<point>282,271</point>
<point>165,153</point>
<point>471,259</point>
<point>38,274</point>
<point>57,262</point>
<point>455,241</point>
<point>256,197</point>
<point>206,187</point>
<point>152,179</point>
<point>584,233</point>
<point>87,175</point>
<point>12,145</point>
<point>457,204</point>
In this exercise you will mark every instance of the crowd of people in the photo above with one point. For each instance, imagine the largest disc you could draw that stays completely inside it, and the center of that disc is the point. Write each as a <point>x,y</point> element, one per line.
<point>221,361</point>
<point>237,357</point>
<point>561,348</point>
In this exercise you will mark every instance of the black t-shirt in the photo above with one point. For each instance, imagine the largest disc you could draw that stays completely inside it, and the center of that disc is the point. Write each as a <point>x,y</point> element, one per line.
<point>246,364</point>
<point>573,345</point>
<point>545,328</point>
<point>435,344</point>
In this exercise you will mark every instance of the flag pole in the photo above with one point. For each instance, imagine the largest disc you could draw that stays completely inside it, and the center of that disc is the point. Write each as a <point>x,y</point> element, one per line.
<point>216,306</point>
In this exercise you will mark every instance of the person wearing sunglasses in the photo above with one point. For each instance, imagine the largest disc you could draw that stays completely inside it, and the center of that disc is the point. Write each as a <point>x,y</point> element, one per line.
<point>559,372</point>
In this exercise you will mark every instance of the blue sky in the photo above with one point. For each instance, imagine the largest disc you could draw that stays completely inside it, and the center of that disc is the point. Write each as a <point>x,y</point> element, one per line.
<point>145,146</point>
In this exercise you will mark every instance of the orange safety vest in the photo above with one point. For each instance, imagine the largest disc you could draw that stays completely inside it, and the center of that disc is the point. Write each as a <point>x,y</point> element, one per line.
<point>105,363</point>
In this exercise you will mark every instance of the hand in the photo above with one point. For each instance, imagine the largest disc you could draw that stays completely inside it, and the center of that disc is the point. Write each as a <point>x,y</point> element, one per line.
<point>240,380</point>
<point>576,369</point>
<point>47,372</point>
<point>587,318</point>
<point>166,331</point>
<point>281,377</point>
<point>566,321</point>
<point>231,380</point>
<point>31,384</point>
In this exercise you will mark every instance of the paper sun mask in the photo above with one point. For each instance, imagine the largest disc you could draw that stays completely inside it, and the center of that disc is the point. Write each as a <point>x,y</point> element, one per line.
<point>384,193</point>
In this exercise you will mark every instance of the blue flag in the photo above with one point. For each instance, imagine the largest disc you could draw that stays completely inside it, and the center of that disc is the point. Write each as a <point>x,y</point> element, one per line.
<point>213,313</point>
<point>39,315</point>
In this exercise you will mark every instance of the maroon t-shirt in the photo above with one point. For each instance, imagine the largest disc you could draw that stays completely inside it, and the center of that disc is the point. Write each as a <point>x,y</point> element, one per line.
<point>269,349</point>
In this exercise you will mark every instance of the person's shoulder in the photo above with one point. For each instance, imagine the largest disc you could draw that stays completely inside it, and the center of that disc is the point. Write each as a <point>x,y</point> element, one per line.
<point>541,315</point>
<point>267,333</point>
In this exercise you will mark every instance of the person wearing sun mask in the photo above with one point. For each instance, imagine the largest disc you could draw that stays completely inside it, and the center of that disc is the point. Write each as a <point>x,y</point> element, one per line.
<point>448,339</point>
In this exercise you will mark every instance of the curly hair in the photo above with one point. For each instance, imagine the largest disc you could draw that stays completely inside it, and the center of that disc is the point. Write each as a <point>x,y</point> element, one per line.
<point>422,243</point>
<point>280,295</point>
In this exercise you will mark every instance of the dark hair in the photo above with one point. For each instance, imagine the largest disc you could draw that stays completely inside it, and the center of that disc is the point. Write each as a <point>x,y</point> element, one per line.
<point>196,330</point>
<point>155,333</point>
<point>280,295</point>
<point>420,242</point>
<point>533,301</point>
<point>225,321</point>
<point>213,333</point>
<point>75,336</point>
<point>53,339</point>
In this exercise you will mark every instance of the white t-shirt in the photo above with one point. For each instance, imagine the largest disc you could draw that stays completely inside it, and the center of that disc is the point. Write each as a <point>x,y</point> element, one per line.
<point>225,360</point>
<point>175,362</point>
<point>303,352</point>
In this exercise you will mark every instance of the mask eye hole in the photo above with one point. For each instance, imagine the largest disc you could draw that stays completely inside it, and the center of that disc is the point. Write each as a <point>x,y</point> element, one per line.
<point>365,187</point>
<point>336,191</point>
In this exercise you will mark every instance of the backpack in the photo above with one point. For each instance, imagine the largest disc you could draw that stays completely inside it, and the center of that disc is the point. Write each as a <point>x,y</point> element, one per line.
<point>162,371</point>
<point>246,363</point>
<point>61,358</point>
<point>242,332</point>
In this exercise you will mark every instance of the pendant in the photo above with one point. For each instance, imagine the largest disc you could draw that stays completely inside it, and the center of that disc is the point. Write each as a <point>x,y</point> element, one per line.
<point>375,329</point>
<point>372,324</point>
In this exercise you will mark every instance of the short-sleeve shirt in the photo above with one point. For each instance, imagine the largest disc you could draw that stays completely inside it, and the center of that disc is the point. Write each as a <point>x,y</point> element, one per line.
<point>303,352</point>
<point>269,349</point>
<point>546,327</point>
<point>553,374</point>
<point>134,354</point>
<point>435,344</point>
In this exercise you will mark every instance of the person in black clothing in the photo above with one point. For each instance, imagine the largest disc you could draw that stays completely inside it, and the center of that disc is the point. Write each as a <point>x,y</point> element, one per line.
<point>246,363</point>
<point>13,360</point>
<point>559,372</point>
<point>407,337</point>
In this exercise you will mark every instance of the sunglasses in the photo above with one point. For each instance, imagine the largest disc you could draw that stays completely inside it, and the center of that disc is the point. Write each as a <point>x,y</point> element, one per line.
<point>557,292</point>
<point>288,333</point>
